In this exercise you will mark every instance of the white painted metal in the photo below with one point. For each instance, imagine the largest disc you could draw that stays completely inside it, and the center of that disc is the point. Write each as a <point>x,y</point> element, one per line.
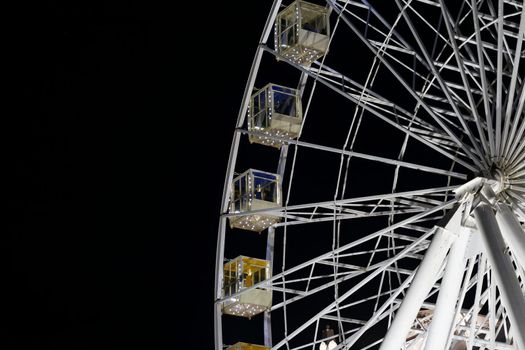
<point>442,320</point>
<point>358,286</point>
<point>425,278</point>
<point>512,232</point>
<point>505,276</point>
<point>270,243</point>
<point>467,99</point>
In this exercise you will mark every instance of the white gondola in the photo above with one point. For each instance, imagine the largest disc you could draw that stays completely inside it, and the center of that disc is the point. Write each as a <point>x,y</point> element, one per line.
<point>302,32</point>
<point>275,111</point>
<point>241,273</point>
<point>246,346</point>
<point>254,190</point>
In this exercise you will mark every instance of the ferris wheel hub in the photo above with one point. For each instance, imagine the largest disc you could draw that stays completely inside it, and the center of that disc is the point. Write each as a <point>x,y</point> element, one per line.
<point>496,184</point>
<point>501,178</point>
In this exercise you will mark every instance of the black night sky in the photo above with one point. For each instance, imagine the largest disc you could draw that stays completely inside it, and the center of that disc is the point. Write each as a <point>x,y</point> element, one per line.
<point>117,148</point>
<point>116,154</point>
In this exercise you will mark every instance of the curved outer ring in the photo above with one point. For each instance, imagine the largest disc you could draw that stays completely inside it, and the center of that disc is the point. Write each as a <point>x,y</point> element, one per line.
<point>231,168</point>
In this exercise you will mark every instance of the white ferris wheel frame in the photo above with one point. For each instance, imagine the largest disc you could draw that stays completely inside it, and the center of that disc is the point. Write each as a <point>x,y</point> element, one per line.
<point>495,221</point>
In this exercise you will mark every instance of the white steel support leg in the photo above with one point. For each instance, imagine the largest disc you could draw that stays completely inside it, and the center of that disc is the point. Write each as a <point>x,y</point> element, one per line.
<point>503,271</point>
<point>424,279</point>
<point>443,318</point>
<point>512,232</point>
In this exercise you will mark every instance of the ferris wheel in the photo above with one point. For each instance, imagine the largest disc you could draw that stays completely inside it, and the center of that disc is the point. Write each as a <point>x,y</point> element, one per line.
<point>415,238</point>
